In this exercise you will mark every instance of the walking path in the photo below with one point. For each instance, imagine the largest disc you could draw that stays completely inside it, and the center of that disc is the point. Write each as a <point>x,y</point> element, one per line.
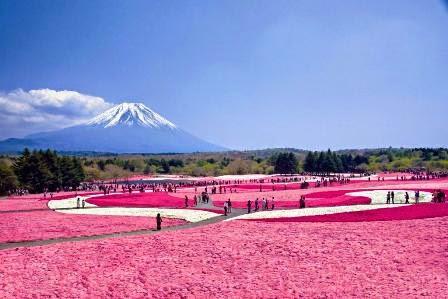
<point>9,245</point>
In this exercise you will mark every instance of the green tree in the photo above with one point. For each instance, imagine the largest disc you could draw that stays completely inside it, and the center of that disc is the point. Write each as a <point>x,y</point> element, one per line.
<point>320,162</point>
<point>328,164</point>
<point>310,164</point>
<point>8,180</point>
<point>286,163</point>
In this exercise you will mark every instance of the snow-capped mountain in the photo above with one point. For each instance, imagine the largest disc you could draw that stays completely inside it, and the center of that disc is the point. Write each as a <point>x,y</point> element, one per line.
<point>130,114</point>
<point>124,128</point>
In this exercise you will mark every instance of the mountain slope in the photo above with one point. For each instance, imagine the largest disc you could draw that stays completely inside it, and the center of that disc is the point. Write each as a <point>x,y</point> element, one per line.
<point>125,128</point>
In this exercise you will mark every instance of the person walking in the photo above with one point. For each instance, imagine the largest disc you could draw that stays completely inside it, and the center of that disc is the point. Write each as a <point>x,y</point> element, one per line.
<point>186,201</point>
<point>249,206</point>
<point>159,221</point>
<point>392,196</point>
<point>406,197</point>
<point>388,197</point>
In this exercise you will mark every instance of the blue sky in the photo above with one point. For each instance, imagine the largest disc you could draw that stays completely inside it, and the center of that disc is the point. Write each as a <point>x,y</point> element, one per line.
<point>243,74</point>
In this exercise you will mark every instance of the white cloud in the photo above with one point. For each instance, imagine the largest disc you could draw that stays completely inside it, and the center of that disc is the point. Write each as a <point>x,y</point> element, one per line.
<point>25,112</point>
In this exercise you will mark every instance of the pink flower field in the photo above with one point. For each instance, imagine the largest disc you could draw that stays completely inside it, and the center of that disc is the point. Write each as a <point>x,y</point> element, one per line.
<point>242,259</point>
<point>420,211</point>
<point>322,196</point>
<point>58,195</point>
<point>21,204</point>
<point>42,225</point>
<point>145,199</point>
<point>398,251</point>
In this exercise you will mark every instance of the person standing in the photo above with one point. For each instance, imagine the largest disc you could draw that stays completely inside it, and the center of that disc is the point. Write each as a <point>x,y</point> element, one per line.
<point>392,196</point>
<point>256,204</point>
<point>302,202</point>
<point>83,202</point>
<point>225,208</point>
<point>388,197</point>
<point>78,202</point>
<point>159,221</point>
<point>249,206</point>
<point>186,201</point>
<point>406,197</point>
<point>229,205</point>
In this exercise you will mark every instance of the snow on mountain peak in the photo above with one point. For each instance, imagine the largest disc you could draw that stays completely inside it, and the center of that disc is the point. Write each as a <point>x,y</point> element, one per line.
<point>131,114</point>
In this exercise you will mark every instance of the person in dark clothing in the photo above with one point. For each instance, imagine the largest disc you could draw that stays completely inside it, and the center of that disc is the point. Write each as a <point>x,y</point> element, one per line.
<point>302,202</point>
<point>392,196</point>
<point>229,206</point>
<point>159,221</point>
<point>388,197</point>
<point>249,206</point>
<point>406,197</point>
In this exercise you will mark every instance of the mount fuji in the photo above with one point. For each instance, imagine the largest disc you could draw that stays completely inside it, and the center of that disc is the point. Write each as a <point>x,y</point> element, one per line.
<point>124,128</point>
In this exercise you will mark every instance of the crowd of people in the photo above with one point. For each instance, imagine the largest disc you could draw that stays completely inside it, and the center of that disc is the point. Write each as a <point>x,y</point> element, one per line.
<point>264,204</point>
<point>438,196</point>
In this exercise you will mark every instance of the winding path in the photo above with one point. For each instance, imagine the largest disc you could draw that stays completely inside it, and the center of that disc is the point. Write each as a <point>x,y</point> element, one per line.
<point>9,245</point>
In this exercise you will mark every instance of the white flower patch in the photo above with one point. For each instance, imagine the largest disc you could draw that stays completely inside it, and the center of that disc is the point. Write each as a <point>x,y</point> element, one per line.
<point>243,177</point>
<point>69,203</point>
<point>379,196</point>
<point>313,211</point>
<point>68,206</point>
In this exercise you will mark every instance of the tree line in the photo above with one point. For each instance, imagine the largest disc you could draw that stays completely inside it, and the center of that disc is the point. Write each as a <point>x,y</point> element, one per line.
<point>40,171</point>
<point>319,163</point>
<point>328,162</point>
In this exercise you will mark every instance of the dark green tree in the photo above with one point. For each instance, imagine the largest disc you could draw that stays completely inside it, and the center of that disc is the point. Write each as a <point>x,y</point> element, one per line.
<point>328,164</point>
<point>165,166</point>
<point>320,162</point>
<point>310,164</point>
<point>286,163</point>
<point>8,180</point>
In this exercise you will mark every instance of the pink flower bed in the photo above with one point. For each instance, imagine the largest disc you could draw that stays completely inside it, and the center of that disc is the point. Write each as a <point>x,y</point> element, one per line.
<point>22,204</point>
<point>146,199</point>
<point>59,195</point>
<point>342,200</point>
<point>334,198</point>
<point>266,187</point>
<point>420,211</point>
<point>318,199</point>
<point>41,225</point>
<point>241,259</point>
